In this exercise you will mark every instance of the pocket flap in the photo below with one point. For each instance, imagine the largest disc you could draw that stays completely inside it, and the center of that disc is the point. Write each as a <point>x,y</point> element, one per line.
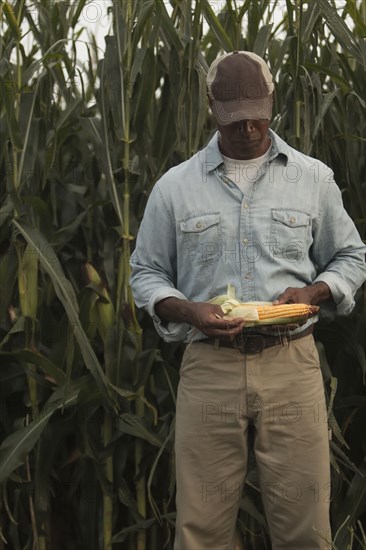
<point>292,218</point>
<point>199,223</point>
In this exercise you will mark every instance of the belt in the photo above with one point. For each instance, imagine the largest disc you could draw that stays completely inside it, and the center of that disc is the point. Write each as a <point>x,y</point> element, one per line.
<point>249,343</point>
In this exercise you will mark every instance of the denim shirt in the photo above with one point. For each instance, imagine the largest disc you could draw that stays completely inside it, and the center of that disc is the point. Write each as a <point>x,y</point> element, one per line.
<point>200,232</point>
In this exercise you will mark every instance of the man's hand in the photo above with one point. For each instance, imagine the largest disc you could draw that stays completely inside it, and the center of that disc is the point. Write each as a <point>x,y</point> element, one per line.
<point>206,317</point>
<point>313,294</point>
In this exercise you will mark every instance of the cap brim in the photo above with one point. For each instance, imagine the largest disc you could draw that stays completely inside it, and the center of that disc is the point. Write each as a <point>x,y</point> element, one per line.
<point>227,112</point>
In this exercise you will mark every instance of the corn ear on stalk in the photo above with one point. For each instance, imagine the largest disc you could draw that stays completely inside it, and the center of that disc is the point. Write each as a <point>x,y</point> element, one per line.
<point>27,280</point>
<point>103,312</point>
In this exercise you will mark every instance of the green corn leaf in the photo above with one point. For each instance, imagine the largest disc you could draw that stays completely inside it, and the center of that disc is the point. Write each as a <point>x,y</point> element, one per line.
<point>146,14</point>
<point>18,327</point>
<point>152,501</point>
<point>250,508</point>
<point>72,106</point>
<point>199,105</point>
<point>139,396</point>
<point>114,94</point>
<point>325,105</point>
<point>8,271</point>
<point>107,162</point>
<point>340,30</point>
<point>77,12</point>
<point>342,458</point>
<point>262,40</point>
<point>40,63</point>
<point>145,92</point>
<point>16,446</point>
<point>9,91</point>
<point>333,424</point>
<point>65,233</point>
<point>168,31</point>
<point>29,356</point>
<point>139,526</point>
<point>66,295</point>
<point>134,425</point>
<point>27,134</point>
<point>353,506</point>
<point>216,27</point>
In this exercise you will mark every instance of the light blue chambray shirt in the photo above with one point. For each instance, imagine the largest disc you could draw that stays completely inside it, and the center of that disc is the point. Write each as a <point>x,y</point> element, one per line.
<point>199,233</point>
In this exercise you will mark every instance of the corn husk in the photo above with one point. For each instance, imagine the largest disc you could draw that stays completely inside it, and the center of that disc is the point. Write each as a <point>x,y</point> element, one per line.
<point>248,311</point>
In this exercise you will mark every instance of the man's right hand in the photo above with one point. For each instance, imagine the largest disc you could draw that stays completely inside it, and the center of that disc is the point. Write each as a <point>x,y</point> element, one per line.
<point>209,319</point>
<point>206,317</point>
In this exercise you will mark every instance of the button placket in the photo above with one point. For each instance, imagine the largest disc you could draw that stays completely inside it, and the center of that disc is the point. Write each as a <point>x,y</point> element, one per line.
<point>246,266</point>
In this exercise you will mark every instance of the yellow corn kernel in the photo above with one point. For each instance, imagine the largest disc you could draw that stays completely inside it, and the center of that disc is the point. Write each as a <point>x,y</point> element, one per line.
<point>285,310</point>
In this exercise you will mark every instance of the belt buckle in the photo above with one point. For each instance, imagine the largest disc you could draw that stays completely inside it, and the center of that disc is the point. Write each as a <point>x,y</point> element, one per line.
<point>250,345</point>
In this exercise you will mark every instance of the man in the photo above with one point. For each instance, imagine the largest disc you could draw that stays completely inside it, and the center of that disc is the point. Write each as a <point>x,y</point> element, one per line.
<point>251,211</point>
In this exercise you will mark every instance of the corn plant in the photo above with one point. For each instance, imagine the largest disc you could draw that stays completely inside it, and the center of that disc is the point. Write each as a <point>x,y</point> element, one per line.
<point>87,388</point>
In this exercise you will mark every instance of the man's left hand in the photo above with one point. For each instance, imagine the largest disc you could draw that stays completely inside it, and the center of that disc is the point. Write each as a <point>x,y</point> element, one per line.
<point>313,294</point>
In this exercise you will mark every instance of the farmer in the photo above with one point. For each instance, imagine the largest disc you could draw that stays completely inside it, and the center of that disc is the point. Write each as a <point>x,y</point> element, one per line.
<point>251,211</point>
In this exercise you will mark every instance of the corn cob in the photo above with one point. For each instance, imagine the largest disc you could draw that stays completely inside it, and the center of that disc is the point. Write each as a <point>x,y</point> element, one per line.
<point>284,310</point>
<point>262,313</point>
<point>265,313</point>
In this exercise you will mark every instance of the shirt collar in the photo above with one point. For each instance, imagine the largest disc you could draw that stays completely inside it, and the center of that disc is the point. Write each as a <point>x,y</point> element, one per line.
<point>213,157</point>
<point>279,147</point>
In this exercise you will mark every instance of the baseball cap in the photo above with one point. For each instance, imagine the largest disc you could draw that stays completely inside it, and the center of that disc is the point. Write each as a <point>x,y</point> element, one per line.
<point>240,86</point>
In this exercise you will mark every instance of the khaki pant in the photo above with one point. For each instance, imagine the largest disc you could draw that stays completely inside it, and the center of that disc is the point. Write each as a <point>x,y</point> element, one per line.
<point>280,391</point>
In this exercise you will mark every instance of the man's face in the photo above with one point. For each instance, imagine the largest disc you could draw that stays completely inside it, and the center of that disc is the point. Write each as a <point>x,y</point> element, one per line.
<point>243,140</point>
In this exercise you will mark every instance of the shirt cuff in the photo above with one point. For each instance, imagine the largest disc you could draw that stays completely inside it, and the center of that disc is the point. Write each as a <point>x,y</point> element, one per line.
<point>340,290</point>
<point>169,331</point>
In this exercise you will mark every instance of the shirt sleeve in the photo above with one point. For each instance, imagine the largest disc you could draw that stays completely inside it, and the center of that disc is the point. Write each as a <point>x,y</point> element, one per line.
<point>153,264</point>
<point>338,250</point>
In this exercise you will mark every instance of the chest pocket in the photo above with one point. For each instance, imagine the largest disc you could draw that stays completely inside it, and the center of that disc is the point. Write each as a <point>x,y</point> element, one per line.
<point>201,235</point>
<point>290,234</point>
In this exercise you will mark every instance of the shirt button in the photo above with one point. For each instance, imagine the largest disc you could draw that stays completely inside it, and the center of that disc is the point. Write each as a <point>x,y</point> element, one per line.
<point>246,205</point>
<point>247,276</point>
<point>292,219</point>
<point>198,225</point>
<point>245,241</point>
